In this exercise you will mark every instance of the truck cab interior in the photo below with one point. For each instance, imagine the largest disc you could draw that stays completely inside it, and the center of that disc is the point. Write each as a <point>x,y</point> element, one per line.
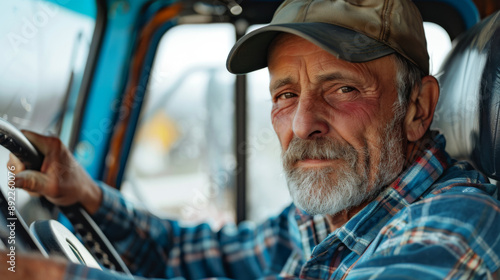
<point>139,92</point>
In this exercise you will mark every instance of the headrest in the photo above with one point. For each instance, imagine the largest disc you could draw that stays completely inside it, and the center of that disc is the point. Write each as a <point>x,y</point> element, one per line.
<point>468,111</point>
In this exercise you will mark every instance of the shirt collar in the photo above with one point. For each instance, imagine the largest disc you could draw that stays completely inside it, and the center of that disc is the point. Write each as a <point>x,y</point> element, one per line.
<point>361,229</point>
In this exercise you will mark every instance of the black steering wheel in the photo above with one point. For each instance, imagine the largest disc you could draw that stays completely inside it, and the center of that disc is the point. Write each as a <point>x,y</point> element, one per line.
<point>51,237</point>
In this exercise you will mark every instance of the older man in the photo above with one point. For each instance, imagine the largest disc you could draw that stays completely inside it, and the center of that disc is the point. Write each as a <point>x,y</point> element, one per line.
<point>375,195</point>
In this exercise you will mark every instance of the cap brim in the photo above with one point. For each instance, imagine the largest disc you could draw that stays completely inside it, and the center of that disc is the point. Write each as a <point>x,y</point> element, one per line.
<point>250,52</point>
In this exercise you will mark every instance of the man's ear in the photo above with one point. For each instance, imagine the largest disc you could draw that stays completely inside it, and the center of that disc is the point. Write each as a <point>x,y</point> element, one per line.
<point>421,107</point>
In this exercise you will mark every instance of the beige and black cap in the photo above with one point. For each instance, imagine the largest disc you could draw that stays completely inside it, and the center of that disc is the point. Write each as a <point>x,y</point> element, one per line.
<point>352,30</point>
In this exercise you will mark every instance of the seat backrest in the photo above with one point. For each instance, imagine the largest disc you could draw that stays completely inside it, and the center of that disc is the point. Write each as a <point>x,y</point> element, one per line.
<point>468,111</point>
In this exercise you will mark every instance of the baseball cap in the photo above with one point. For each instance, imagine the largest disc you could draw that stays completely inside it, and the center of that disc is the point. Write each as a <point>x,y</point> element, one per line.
<point>352,30</point>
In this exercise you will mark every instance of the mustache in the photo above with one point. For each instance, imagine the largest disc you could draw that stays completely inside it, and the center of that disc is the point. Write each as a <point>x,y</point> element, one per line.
<point>319,148</point>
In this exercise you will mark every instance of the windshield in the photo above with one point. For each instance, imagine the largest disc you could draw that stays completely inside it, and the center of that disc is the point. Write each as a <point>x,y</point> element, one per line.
<point>44,50</point>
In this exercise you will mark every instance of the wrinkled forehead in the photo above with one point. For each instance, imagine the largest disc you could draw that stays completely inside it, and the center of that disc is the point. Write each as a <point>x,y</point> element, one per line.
<point>289,53</point>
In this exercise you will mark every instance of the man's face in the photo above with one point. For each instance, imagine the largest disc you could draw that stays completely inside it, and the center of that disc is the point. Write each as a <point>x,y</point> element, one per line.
<point>339,125</point>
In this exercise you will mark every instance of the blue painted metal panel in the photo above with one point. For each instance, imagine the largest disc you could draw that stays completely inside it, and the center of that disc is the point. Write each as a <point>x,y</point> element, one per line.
<point>102,109</point>
<point>85,7</point>
<point>108,83</point>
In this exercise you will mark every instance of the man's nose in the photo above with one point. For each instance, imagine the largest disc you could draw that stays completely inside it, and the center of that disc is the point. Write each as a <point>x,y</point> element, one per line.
<point>309,121</point>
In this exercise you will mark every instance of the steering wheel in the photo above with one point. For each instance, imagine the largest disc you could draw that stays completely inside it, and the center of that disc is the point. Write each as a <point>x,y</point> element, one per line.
<point>51,236</point>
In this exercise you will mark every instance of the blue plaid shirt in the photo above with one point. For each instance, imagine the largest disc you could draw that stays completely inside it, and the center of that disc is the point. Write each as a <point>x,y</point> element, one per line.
<point>437,220</point>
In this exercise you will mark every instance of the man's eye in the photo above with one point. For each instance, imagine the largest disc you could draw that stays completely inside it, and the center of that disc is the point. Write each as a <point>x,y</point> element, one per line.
<point>286,95</point>
<point>347,89</point>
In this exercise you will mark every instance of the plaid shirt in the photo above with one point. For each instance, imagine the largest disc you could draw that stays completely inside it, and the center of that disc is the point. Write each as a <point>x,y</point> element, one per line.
<point>437,220</point>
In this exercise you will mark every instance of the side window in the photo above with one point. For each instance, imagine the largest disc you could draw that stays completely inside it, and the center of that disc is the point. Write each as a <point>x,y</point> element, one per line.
<point>43,50</point>
<point>182,161</point>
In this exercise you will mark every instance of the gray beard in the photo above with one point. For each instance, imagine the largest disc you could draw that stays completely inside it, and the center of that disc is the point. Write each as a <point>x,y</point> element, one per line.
<point>330,190</point>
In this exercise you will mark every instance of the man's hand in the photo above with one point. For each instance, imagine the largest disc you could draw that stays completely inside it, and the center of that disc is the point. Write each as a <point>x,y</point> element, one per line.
<point>31,267</point>
<point>61,179</point>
